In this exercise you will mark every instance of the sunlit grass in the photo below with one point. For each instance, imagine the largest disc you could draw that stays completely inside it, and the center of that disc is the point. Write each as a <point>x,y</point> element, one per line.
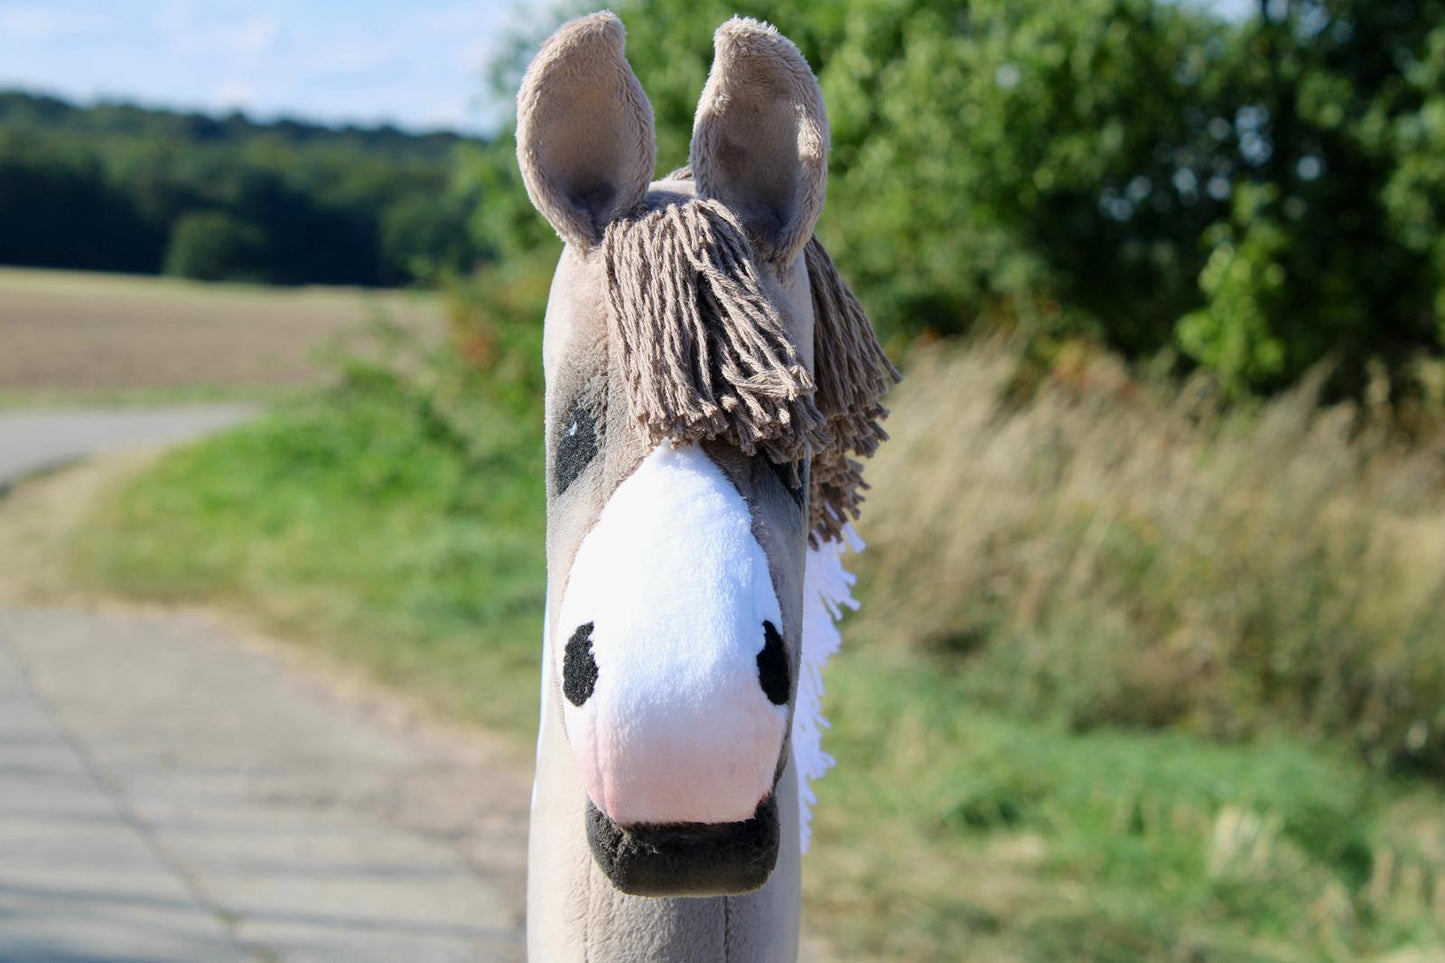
<point>1027,769</point>
<point>950,831</point>
<point>356,521</point>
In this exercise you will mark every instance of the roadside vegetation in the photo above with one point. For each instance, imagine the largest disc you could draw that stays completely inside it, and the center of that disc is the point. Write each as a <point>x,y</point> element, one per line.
<point>1106,552</point>
<point>394,518</point>
<point>1151,666</point>
<point>1139,677</point>
<point>1136,679</point>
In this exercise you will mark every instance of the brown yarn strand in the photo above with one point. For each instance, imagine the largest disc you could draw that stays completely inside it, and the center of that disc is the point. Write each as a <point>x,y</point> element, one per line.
<point>852,374</point>
<point>704,354</point>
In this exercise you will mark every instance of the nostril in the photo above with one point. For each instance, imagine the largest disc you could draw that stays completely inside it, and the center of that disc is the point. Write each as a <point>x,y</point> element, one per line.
<point>579,666</point>
<point>773,666</point>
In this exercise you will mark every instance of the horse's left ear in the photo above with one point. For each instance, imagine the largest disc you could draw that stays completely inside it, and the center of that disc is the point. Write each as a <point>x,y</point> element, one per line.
<point>584,130</point>
<point>760,140</point>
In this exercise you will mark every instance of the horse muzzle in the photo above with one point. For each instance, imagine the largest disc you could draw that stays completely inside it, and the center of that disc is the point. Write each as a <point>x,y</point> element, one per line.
<point>677,682</point>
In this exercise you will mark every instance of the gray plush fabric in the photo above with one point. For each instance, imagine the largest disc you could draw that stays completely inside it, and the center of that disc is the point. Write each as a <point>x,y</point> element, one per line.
<point>584,130</point>
<point>574,912</point>
<point>760,138</point>
<point>585,147</point>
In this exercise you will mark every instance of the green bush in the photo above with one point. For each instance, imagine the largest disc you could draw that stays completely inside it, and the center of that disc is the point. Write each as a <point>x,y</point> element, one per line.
<point>214,246</point>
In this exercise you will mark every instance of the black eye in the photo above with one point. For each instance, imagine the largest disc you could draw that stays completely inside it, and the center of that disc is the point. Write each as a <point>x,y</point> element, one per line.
<point>579,667</point>
<point>773,666</point>
<point>575,448</point>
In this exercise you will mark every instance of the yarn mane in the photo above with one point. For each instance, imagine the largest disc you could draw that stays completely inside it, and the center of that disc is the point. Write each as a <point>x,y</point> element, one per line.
<point>705,355</point>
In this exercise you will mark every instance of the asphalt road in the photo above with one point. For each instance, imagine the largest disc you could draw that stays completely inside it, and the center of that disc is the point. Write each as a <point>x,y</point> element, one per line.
<point>36,440</point>
<point>171,791</point>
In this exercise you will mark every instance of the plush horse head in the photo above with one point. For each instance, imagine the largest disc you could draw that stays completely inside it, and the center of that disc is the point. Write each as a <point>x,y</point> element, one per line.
<point>708,377</point>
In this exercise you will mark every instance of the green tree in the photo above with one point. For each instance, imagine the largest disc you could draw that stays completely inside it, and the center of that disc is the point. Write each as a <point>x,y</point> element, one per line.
<point>1250,196</point>
<point>1332,247</point>
<point>105,187</point>
<point>1024,161</point>
<point>214,246</point>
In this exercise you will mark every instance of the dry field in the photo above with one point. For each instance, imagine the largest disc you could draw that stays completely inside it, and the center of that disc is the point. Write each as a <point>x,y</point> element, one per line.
<point>79,333</point>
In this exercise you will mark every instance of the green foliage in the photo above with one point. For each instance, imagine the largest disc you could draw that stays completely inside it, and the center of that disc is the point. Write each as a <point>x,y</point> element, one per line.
<point>983,158</point>
<point>1250,196</point>
<point>58,209</point>
<point>395,519</point>
<point>1110,555</point>
<point>1048,579</point>
<point>110,187</point>
<point>506,225</point>
<point>951,832</point>
<point>1244,286</point>
<point>213,246</point>
<point>495,317</point>
<point>1330,247</point>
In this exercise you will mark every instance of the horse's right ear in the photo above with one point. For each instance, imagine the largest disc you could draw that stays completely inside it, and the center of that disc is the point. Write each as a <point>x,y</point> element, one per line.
<point>760,139</point>
<point>585,138</point>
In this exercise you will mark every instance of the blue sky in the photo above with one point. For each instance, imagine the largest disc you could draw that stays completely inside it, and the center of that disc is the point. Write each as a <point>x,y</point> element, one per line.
<point>418,64</point>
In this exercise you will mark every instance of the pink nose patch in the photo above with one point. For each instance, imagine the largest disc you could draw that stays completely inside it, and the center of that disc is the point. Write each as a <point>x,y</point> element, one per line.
<point>703,771</point>
<point>665,712</point>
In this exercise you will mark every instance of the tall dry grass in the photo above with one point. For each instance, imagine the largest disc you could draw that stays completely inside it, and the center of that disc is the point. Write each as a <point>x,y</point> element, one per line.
<point>1118,555</point>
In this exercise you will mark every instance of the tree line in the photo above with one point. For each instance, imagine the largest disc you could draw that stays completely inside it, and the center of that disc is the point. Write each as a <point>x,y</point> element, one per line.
<point>1253,196</point>
<point>116,187</point>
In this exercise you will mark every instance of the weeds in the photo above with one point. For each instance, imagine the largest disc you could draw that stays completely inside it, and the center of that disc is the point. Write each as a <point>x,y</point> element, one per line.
<point>1071,593</point>
<point>1112,554</point>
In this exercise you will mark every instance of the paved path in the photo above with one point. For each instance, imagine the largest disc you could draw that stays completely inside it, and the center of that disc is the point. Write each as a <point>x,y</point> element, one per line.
<point>34,440</point>
<point>172,792</point>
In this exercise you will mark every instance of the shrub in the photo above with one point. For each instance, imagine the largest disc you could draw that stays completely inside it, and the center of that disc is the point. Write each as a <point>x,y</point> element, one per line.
<point>1114,555</point>
<point>214,246</point>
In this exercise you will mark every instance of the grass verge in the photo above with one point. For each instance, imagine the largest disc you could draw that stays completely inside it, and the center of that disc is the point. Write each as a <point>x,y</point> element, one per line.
<point>142,397</point>
<point>400,527</point>
<point>1112,553</point>
<point>955,832</point>
<point>359,520</point>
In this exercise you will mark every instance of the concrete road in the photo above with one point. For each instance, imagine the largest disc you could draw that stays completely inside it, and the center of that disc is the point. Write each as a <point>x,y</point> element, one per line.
<point>170,791</point>
<point>34,440</point>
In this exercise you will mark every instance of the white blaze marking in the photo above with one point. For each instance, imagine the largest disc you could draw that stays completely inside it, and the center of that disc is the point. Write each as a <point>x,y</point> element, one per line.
<point>677,589</point>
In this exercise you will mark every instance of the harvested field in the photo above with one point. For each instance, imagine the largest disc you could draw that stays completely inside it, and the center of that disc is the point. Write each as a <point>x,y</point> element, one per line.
<point>75,332</point>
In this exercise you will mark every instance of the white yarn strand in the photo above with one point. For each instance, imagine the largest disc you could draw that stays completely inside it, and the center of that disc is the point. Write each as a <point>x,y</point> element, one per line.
<point>827,591</point>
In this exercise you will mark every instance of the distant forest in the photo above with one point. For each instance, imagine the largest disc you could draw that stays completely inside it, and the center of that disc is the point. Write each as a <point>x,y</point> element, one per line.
<point>115,187</point>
